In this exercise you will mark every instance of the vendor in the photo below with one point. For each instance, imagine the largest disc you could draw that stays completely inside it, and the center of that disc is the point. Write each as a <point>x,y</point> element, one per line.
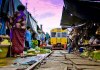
<point>95,40</point>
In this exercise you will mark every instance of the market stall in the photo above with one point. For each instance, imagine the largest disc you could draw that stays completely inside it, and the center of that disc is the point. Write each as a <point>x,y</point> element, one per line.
<point>5,46</point>
<point>28,62</point>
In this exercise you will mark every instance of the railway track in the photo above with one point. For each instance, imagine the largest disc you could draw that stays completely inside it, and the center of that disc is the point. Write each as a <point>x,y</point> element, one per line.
<point>61,60</point>
<point>54,62</point>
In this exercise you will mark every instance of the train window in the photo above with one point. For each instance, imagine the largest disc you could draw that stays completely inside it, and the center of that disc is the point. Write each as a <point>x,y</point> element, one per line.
<point>64,34</point>
<point>53,34</point>
<point>58,34</point>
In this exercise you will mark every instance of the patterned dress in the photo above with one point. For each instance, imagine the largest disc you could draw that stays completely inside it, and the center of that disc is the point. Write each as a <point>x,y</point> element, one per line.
<point>18,32</point>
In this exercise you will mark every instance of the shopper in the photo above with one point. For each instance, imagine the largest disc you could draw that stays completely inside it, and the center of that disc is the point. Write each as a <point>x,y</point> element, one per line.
<point>47,36</point>
<point>28,38</point>
<point>69,45</point>
<point>38,38</point>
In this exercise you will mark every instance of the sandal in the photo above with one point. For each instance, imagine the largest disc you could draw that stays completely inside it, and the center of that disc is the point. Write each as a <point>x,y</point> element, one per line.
<point>15,55</point>
<point>21,55</point>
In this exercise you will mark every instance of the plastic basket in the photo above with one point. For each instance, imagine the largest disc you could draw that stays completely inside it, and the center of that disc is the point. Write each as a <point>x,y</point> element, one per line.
<point>4,52</point>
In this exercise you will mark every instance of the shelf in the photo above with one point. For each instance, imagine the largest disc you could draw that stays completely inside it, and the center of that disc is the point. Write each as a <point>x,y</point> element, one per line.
<point>2,36</point>
<point>4,45</point>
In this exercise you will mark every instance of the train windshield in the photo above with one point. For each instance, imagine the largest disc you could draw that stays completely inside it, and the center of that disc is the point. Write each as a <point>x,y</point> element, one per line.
<point>58,34</point>
<point>53,34</point>
<point>64,34</point>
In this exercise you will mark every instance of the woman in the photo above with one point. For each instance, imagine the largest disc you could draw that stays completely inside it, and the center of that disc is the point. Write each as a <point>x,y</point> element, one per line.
<point>18,31</point>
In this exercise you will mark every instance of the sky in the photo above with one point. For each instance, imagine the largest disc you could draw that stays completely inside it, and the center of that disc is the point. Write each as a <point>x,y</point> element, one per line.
<point>46,12</point>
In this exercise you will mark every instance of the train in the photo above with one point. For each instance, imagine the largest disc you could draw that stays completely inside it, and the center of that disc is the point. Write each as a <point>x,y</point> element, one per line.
<point>58,38</point>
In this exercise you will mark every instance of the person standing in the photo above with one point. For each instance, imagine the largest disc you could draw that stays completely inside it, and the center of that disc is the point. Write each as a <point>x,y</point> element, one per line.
<point>17,34</point>
<point>69,45</point>
<point>28,38</point>
<point>3,23</point>
<point>47,37</point>
<point>38,38</point>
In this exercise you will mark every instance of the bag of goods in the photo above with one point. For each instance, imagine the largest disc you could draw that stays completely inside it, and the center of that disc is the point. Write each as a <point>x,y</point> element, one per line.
<point>31,52</point>
<point>96,55</point>
<point>84,54</point>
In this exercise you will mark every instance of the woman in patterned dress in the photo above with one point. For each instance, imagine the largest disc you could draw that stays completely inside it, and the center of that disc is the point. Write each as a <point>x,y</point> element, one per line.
<point>18,31</point>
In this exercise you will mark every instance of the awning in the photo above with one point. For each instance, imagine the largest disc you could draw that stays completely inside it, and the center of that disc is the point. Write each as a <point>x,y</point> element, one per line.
<point>78,12</point>
<point>68,19</point>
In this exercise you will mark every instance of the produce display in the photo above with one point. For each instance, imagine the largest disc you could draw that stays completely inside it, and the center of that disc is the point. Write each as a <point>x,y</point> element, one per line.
<point>41,50</point>
<point>96,55</point>
<point>31,52</point>
<point>84,54</point>
<point>34,43</point>
<point>37,50</point>
<point>5,42</point>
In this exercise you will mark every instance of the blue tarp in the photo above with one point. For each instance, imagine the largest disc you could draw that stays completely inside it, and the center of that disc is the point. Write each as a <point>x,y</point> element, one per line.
<point>6,6</point>
<point>0,3</point>
<point>2,27</point>
<point>10,6</point>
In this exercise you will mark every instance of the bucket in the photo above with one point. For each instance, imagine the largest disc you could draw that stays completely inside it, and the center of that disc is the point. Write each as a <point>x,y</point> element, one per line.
<point>81,49</point>
<point>4,52</point>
